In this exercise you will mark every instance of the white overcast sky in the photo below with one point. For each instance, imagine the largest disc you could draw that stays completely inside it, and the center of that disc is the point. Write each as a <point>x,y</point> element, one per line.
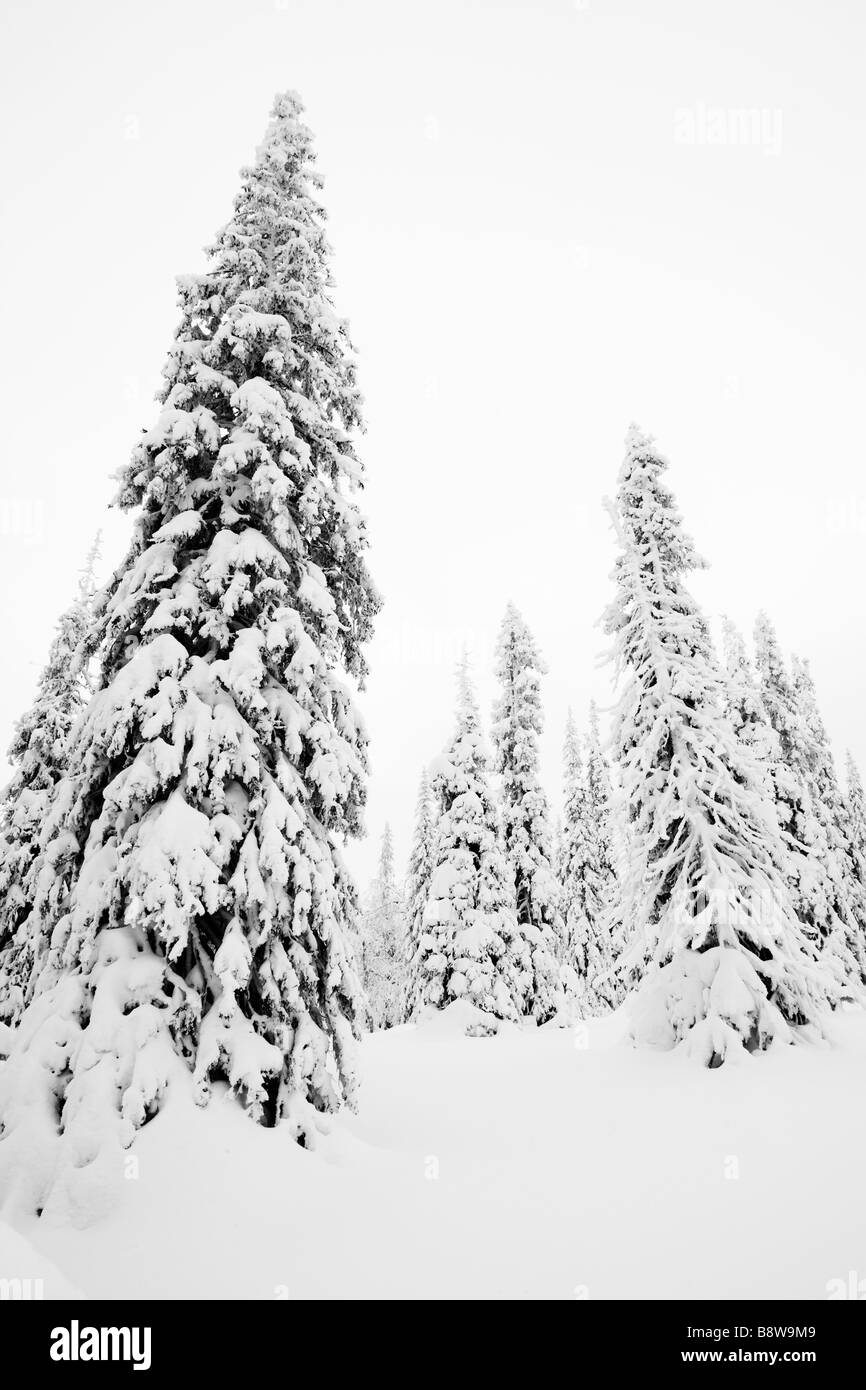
<point>547,222</point>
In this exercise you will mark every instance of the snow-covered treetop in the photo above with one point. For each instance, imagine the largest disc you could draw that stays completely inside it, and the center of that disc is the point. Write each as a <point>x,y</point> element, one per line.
<point>38,747</point>
<point>777,689</point>
<point>572,767</point>
<point>745,703</point>
<point>467,746</point>
<point>658,625</point>
<point>517,715</point>
<point>259,342</point>
<point>647,508</point>
<point>386,857</point>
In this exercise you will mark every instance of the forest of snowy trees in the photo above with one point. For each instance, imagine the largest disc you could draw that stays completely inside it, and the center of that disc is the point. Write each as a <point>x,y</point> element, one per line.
<point>707,861</point>
<point>175,898</point>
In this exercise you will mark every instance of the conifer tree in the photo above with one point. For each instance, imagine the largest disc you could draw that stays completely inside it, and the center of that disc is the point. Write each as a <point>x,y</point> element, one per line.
<point>856,806</point>
<point>601,901</point>
<point>558,862</point>
<point>221,762</point>
<point>845,869</point>
<point>730,967</point>
<point>382,941</point>
<point>814,870</point>
<point>745,706</point>
<point>470,946</point>
<point>587,874</point>
<point>39,754</point>
<point>421,863</point>
<point>570,859</point>
<point>855,820</point>
<point>517,726</point>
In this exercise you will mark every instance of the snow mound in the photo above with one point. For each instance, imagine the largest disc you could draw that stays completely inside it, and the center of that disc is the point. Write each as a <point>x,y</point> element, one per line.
<point>714,1004</point>
<point>460,1019</point>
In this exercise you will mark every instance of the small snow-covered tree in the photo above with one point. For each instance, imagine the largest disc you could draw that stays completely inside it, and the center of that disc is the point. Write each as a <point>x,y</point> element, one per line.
<point>602,898</point>
<point>856,806</point>
<point>729,965</point>
<point>382,945</point>
<point>815,870</point>
<point>39,754</point>
<point>745,705</point>
<point>221,762</point>
<point>587,875</point>
<point>422,859</point>
<point>517,725</point>
<point>571,849</point>
<point>855,813</point>
<point>470,946</point>
<point>779,744</point>
<point>558,861</point>
<point>846,870</point>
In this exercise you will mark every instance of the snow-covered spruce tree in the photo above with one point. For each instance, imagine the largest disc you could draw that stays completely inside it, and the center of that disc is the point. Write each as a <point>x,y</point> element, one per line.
<point>558,862</point>
<point>517,725</point>
<point>816,873</point>
<point>601,894</point>
<point>573,796</point>
<point>730,966</point>
<point>779,745</point>
<point>587,973</point>
<point>221,762</point>
<point>745,705</point>
<point>422,859</point>
<point>382,933</point>
<point>846,869</point>
<point>39,754</point>
<point>856,806</point>
<point>470,947</point>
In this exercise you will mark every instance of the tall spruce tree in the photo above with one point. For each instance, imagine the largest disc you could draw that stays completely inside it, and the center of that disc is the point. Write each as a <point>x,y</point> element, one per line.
<point>221,762</point>
<point>422,860</point>
<point>39,754</point>
<point>730,966</point>
<point>518,723</point>
<point>382,941</point>
<point>470,946</point>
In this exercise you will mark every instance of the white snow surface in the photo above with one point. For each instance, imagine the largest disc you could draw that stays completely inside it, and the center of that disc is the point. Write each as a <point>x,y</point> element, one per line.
<point>19,1259</point>
<point>555,1163</point>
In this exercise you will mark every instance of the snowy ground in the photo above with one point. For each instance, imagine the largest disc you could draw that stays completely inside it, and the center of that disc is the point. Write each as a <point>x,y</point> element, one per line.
<point>548,1164</point>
